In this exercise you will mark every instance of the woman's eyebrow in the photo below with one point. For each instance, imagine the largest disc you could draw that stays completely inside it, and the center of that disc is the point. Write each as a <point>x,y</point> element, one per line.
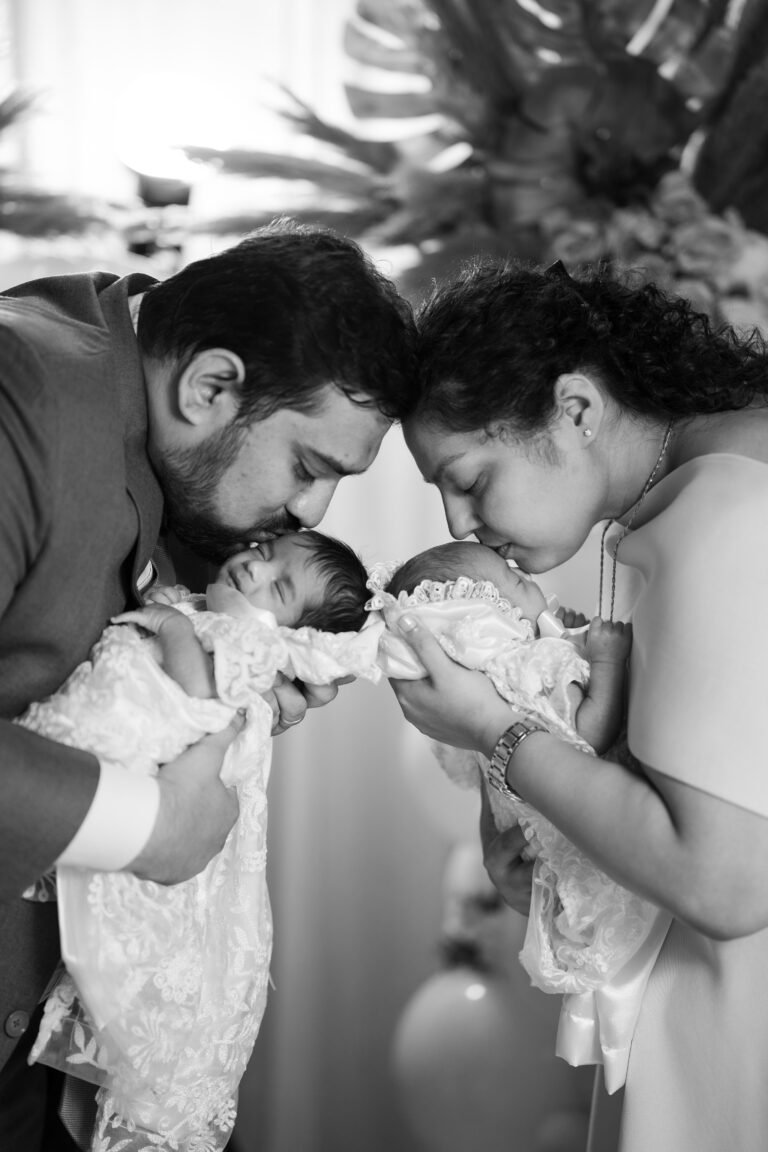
<point>442,467</point>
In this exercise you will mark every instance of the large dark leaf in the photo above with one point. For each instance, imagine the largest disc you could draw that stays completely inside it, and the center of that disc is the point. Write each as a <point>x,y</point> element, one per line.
<point>422,35</point>
<point>362,44</point>
<point>732,164</point>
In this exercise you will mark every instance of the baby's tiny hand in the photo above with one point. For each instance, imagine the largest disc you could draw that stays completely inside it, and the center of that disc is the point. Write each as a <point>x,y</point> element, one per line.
<point>571,618</point>
<point>165,594</point>
<point>608,640</point>
<point>153,617</point>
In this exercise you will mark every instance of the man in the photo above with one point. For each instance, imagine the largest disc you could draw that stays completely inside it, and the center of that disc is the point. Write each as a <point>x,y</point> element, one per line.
<point>223,404</point>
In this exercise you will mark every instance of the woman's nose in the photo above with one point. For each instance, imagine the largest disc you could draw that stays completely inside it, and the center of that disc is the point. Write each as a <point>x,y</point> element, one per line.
<point>461,520</point>
<point>311,504</point>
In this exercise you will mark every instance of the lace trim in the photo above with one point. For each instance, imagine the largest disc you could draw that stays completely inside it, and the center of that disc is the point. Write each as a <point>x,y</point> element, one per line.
<point>437,592</point>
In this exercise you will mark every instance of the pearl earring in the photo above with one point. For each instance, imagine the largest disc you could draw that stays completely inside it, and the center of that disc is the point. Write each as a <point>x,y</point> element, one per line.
<point>587,432</point>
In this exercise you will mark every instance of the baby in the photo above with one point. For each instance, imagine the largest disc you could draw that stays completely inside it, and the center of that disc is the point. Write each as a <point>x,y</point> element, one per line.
<point>594,698</point>
<point>586,935</point>
<point>303,579</point>
<point>166,986</point>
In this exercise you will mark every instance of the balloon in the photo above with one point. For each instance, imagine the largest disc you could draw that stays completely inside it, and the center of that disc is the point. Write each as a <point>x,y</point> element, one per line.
<point>473,1070</point>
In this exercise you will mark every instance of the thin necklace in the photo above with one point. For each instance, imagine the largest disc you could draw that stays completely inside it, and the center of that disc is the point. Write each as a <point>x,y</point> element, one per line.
<point>635,509</point>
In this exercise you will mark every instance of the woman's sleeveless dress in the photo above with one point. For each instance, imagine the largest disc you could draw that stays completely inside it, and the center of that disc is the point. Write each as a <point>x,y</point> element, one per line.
<point>697,1079</point>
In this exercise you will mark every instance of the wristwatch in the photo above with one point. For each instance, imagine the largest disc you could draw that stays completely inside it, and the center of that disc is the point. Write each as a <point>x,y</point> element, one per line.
<point>507,745</point>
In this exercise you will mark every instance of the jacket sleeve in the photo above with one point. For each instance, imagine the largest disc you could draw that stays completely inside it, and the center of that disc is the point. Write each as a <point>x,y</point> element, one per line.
<point>46,789</point>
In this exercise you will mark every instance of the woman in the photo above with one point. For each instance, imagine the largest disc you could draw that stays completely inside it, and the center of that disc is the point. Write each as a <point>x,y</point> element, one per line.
<point>547,406</point>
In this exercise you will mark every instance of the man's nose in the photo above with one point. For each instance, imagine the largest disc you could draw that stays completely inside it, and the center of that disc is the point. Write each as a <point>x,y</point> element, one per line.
<point>311,504</point>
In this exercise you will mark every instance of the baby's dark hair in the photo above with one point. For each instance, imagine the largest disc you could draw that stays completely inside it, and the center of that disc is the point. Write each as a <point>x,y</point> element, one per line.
<point>342,605</point>
<point>443,562</point>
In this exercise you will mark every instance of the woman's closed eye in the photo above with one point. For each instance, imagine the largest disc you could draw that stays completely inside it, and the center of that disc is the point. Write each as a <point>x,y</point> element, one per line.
<point>302,473</point>
<point>474,488</point>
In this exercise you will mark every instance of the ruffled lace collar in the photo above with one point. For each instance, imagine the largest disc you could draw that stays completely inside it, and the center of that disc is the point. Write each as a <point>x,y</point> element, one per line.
<point>465,588</point>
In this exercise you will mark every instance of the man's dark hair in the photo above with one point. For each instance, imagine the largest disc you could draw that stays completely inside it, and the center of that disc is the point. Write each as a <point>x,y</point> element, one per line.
<point>341,607</point>
<point>302,307</point>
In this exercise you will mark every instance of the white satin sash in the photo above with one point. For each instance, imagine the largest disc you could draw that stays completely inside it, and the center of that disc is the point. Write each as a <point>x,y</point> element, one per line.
<point>597,1027</point>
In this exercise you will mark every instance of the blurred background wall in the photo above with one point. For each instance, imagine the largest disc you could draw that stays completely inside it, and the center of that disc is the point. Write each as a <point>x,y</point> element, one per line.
<point>146,133</point>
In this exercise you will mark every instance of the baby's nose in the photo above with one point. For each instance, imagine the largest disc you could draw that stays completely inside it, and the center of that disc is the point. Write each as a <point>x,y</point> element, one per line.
<point>256,568</point>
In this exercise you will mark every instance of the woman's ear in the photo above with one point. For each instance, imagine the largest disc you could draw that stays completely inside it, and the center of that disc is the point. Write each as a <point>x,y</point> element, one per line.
<point>580,405</point>
<point>208,388</point>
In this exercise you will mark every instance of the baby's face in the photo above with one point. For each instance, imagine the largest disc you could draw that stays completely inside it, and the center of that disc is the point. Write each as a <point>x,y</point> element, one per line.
<point>276,575</point>
<point>517,587</point>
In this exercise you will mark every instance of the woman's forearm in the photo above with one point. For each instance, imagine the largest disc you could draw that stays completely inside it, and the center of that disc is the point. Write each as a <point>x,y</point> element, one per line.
<point>699,857</point>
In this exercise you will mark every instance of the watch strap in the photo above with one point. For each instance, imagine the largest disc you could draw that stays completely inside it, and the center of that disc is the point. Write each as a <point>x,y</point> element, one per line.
<point>506,746</point>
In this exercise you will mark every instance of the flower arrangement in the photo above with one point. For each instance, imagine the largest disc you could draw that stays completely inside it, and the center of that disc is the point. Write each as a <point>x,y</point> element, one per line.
<point>549,129</point>
<point>677,241</point>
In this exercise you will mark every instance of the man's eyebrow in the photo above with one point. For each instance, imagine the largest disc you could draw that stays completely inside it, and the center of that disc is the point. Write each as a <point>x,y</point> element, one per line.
<point>442,467</point>
<point>333,465</point>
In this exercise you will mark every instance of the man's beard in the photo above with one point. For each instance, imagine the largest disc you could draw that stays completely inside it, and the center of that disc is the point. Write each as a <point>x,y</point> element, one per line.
<point>190,478</point>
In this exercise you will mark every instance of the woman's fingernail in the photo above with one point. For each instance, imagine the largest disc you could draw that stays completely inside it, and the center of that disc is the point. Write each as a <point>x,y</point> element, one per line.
<point>407,623</point>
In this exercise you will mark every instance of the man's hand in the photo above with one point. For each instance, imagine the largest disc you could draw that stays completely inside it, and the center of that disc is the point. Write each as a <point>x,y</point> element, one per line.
<point>196,812</point>
<point>290,699</point>
<point>507,858</point>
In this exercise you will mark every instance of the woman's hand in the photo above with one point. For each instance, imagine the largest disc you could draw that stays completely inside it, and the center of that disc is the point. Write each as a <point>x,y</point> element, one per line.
<point>507,858</point>
<point>452,704</point>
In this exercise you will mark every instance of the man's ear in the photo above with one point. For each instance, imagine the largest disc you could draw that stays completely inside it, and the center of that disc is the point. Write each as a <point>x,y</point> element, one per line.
<point>208,389</point>
<point>580,405</point>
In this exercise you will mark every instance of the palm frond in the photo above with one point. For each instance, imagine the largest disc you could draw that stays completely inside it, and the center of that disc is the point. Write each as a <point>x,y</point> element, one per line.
<point>332,178</point>
<point>379,155</point>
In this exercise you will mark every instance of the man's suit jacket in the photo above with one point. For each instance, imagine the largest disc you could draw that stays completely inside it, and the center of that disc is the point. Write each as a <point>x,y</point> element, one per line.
<point>80,512</point>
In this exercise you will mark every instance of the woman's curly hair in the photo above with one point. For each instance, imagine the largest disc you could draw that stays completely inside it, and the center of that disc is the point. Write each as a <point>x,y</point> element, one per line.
<point>495,339</point>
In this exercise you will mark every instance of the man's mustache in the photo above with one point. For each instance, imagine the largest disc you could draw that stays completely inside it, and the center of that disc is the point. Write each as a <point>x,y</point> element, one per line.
<point>275,526</point>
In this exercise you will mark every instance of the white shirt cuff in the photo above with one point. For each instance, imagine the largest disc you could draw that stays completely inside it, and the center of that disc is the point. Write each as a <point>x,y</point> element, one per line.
<point>118,824</point>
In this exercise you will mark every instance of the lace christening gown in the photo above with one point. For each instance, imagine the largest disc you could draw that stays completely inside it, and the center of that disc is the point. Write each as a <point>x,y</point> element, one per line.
<point>587,936</point>
<point>166,986</point>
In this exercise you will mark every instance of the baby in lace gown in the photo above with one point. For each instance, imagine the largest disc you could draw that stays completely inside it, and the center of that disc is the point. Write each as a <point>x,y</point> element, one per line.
<point>587,936</point>
<point>165,987</point>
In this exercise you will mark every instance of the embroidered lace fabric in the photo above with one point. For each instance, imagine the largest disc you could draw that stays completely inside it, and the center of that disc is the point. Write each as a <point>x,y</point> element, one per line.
<point>165,987</point>
<point>583,927</point>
